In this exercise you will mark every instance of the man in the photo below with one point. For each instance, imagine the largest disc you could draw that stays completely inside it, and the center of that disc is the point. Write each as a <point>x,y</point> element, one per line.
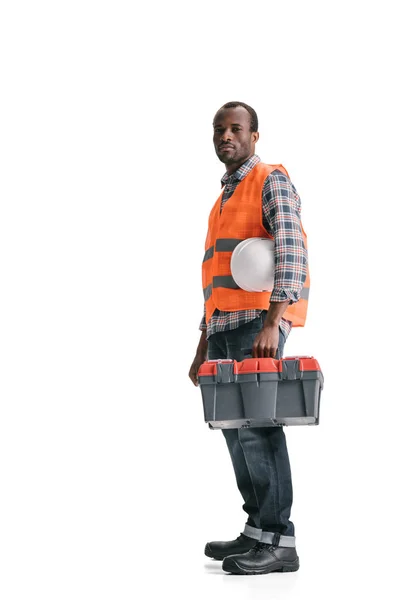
<point>257,201</point>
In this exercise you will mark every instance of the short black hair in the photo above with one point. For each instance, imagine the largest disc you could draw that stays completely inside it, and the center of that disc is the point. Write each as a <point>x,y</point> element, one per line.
<point>251,111</point>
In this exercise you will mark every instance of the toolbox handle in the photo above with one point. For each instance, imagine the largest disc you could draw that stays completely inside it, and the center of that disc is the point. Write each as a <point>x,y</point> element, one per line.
<point>221,360</point>
<point>250,351</point>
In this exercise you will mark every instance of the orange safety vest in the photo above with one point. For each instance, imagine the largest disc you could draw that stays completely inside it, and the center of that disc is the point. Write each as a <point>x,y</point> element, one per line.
<point>240,219</point>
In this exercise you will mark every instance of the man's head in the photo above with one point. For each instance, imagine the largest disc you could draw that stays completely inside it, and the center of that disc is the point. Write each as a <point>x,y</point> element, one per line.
<point>235,134</point>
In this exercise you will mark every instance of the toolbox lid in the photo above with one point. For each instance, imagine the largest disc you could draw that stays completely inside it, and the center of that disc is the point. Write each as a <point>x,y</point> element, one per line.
<point>273,365</point>
<point>259,365</point>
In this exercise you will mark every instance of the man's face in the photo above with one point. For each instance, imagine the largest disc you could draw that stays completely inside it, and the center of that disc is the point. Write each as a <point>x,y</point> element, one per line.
<point>233,141</point>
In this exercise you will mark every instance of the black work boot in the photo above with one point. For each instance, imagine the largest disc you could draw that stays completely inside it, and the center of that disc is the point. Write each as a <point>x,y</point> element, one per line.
<point>219,550</point>
<point>262,558</point>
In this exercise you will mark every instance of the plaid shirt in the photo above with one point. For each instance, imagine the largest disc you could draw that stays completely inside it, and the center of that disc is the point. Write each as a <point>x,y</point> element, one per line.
<point>281,207</point>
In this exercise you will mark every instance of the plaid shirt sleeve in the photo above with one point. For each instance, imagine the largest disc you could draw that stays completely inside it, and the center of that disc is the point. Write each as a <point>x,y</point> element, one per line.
<point>281,217</point>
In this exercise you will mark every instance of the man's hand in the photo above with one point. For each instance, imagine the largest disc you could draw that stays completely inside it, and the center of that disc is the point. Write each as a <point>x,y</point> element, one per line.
<point>198,360</point>
<point>266,343</point>
<point>201,355</point>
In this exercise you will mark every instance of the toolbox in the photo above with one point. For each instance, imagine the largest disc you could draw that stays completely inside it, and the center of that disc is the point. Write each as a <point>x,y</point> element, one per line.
<point>261,392</point>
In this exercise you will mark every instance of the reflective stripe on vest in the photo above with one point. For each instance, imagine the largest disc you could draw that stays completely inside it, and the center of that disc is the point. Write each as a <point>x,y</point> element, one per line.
<point>209,253</point>
<point>222,245</point>
<point>227,281</point>
<point>226,244</point>
<point>207,292</point>
<point>305,293</point>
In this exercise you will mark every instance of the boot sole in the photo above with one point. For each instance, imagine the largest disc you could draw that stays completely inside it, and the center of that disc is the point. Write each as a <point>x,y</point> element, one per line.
<point>235,569</point>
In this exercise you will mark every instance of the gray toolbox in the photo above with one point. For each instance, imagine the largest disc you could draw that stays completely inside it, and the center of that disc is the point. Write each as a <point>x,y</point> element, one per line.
<point>261,392</point>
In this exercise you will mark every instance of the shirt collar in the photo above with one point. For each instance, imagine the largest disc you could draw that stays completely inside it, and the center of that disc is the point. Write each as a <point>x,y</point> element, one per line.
<point>242,171</point>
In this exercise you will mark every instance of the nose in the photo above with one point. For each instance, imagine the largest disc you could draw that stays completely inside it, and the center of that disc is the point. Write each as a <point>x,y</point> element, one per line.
<point>226,136</point>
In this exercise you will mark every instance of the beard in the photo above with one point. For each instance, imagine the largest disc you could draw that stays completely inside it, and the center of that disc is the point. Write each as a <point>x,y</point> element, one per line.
<point>228,158</point>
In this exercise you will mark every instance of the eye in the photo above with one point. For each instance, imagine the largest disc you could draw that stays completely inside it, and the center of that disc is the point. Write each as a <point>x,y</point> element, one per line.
<point>235,128</point>
<point>217,130</point>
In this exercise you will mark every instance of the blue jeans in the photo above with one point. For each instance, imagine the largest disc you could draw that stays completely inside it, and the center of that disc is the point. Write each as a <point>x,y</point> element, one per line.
<point>259,454</point>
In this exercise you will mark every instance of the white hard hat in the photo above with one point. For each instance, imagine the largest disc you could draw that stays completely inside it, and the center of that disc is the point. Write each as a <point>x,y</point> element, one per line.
<point>253,265</point>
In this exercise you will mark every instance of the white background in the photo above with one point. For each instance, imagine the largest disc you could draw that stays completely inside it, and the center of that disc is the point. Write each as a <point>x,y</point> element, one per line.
<point>111,483</point>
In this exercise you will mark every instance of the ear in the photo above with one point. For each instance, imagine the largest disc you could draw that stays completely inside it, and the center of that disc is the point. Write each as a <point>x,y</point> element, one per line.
<point>254,136</point>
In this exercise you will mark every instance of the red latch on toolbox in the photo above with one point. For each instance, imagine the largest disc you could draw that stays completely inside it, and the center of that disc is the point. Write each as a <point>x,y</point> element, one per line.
<point>306,363</point>
<point>207,368</point>
<point>210,367</point>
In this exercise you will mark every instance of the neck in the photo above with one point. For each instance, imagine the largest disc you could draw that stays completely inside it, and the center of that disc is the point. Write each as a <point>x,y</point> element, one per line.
<point>235,166</point>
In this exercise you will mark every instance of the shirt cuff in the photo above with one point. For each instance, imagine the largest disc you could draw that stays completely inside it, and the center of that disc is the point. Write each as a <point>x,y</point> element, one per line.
<point>282,295</point>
